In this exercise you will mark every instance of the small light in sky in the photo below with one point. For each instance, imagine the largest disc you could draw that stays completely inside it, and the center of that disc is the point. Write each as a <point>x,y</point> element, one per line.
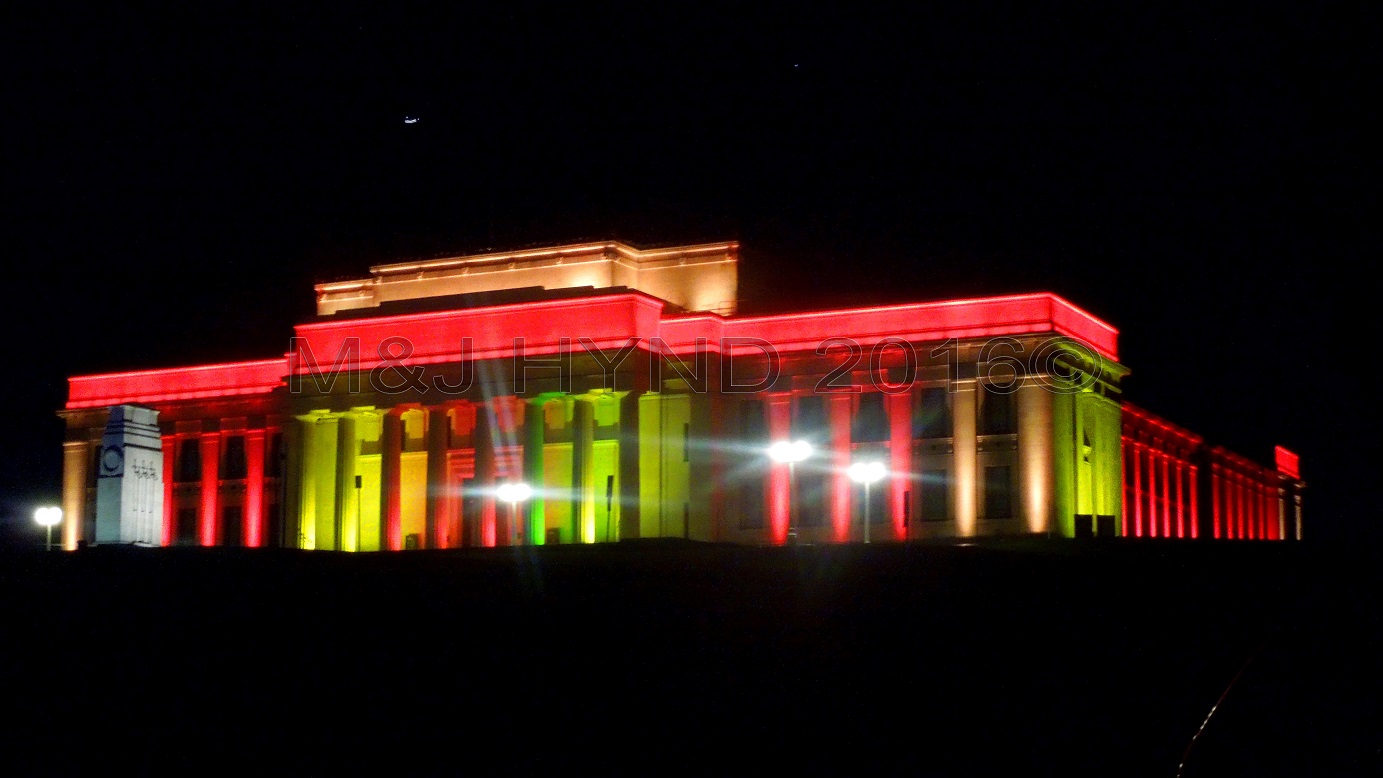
<point>411,119</point>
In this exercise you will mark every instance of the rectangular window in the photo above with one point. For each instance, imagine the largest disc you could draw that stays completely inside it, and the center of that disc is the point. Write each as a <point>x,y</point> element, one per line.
<point>870,424</point>
<point>752,474</point>
<point>998,492</point>
<point>187,527</point>
<point>997,412</point>
<point>931,413</point>
<point>231,525</point>
<point>189,460</point>
<point>273,463</point>
<point>235,458</point>
<point>936,488</point>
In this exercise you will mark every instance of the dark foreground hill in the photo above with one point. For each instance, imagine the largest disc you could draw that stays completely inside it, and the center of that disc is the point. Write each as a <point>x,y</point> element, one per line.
<point>654,657</point>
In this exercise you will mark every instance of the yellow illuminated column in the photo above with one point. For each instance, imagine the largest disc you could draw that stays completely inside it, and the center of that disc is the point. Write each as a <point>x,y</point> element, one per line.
<point>1035,454</point>
<point>966,453</point>
<point>438,427</point>
<point>583,470</point>
<point>76,456</point>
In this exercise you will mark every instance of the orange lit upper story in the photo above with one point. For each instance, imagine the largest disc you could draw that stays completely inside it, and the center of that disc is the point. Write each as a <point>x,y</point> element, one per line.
<point>702,277</point>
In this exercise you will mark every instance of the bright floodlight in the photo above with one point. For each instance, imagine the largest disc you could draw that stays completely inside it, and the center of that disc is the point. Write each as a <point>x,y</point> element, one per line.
<point>48,516</point>
<point>514,492</point>
<point>790,451</point>
<point>866,472</point>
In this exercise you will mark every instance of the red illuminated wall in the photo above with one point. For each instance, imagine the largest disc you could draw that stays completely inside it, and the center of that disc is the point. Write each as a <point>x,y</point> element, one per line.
<point>1176,486</point>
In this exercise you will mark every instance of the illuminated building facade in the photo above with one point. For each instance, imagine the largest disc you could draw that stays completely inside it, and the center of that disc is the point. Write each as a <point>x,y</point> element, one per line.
<point>623,388</point>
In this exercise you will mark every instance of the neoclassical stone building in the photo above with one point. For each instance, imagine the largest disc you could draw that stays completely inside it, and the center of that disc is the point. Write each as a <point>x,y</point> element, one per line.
<point>598,392</point>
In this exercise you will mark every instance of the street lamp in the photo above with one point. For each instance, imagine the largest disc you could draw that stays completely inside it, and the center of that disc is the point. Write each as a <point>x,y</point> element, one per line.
<point>48,517</point>
<point>866,473</point>
<point>514,493</point>
<point>790,452</point>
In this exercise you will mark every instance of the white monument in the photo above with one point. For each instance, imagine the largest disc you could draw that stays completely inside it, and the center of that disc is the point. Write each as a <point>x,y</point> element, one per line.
<point>129,481</point>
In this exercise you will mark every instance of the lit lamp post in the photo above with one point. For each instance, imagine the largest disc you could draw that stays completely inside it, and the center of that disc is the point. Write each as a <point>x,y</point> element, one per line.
<point>514,493</point>
<point>48,518</point>
<point>866,473</point>
<point>790,452</point>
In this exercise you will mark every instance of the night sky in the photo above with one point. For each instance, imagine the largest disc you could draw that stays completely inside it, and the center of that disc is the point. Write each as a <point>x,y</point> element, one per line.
<point>176,178</point>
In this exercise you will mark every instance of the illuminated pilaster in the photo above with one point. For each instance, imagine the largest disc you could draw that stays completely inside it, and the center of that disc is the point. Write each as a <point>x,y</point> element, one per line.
<point>254,487</point>
<point>838,419</point>
<point>1195,501</point>
<point>1166,496</point>
<point>390,507</point>
<point>966,448</point>
<point>900,460</point>
<point>583,471</point>
<point>534,438</point>
<point>76,458</point>
<point>209,522</point>
<point>438,432</point>
<point>485,473</point>
<point>1035,454</point>
<point>170,447</point>
<point>778,496</point>
<point>347,515</point>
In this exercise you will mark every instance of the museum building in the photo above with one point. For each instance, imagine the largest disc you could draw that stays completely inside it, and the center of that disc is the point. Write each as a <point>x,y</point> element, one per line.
<point>600,392</point>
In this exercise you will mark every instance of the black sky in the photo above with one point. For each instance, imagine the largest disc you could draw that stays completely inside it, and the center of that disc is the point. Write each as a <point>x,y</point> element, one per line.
<point>176,177</point>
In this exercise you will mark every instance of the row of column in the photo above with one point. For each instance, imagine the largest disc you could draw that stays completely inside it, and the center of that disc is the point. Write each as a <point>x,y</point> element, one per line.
<point>1033,461</point>
<point>1161,495</point>
<point>1246,508</point>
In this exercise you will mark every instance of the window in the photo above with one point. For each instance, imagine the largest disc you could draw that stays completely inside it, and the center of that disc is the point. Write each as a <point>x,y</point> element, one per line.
<point>187,527</point>
<point>235,458</point>
<point>871,419</point>
<point>808,506</point>
<point>189,460</point>
<point>936,487</point>
<point>997,416</point>
<point>273,465</point>
<point>998,492</point>
<point>231,520</point>
<point>753,471</point>
<point>931,413</point>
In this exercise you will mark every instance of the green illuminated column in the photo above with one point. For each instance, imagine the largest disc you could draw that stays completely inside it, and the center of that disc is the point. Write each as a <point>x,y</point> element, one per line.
<point>583,471</point>
<point>534,429</point>
<point>1063,464</point>
<point>438,427</point>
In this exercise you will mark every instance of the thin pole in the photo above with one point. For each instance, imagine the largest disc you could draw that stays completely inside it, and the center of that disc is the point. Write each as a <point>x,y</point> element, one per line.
<point>866,512</point>
<point>792,487</point>
<point>49,547</point>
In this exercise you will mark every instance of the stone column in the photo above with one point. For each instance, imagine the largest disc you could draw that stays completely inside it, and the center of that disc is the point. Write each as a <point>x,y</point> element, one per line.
<point>966,451</point>
<point>485,474</point>
<point>170,448</point>
<point>390,509</point>
<point>899,407</point>
<point>254,488</point>
<point>534,438</point>
<point>209,522</point>
<point>347,500</point>
<point>838,420</point>
<point>76,458</point>
<point>778,497</point>
<point>438,432</point>
<point>582,470</point>
<point>1035,432</point>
